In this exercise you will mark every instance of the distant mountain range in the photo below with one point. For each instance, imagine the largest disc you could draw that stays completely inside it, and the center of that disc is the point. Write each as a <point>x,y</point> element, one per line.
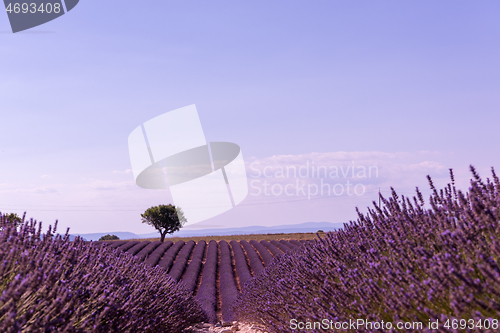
<point>290,228</point>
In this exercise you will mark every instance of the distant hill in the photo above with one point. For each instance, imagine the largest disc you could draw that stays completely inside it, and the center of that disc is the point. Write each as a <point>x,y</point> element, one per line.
<point>121,234</point>
<point>72,237</point>
<point>290,228</point>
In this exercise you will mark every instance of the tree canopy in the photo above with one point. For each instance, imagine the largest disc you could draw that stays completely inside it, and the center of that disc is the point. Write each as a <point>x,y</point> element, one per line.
<point>109,237</point>
<point>166,219</point>
<point>12,219</point>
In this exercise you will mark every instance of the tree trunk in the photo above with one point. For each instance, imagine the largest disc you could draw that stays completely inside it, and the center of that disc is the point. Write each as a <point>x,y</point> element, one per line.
<point>163,236</point>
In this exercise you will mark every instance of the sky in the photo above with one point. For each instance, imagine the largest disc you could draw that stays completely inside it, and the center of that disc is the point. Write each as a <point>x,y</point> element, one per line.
<point>409,89</point>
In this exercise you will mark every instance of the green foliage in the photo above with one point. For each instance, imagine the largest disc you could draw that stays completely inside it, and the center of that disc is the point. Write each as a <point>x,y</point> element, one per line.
<point>165,218</point>
<point>11,219</point>
<point>109,237</point>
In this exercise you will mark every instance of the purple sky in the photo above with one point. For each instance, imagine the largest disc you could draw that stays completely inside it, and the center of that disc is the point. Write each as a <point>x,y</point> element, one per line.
<point>409,88</point>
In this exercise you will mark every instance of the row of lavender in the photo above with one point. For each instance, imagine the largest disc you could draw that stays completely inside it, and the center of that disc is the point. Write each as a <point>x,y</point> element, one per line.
<point>401,265</point>
<point>234,263</point>
<point>52,284</point>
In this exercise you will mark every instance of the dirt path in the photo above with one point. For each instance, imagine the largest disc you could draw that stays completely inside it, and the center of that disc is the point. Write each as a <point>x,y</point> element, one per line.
<point>235,326</point>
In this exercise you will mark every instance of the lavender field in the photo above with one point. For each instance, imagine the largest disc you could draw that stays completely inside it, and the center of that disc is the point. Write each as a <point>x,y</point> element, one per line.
<point>52,284</point>
<point>402,262</point>
<point>203,268</point>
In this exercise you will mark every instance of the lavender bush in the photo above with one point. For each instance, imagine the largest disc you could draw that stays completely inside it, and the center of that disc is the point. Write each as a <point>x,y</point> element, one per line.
<point>398,263</point>
<point>207,292</point>
<point>134,250</point>
<point>156,255</point>
<point>142,255</point>
<point>115,244</point>
<point>193,270</point>
<point>52,284</point>
<point>169,257</point>
<point>296,243</point>
<point>127,246</point>
<point>273,249</point>
<point>228,290</point>
<point>181,261</point>
<point>292,246</point>
<point>240,263</point>
<point>264,253</point>
<point>283,247</point>
<point>253,257</point>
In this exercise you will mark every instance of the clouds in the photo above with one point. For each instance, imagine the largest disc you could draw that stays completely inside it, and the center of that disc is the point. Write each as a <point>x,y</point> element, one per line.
<point>343,158</point>
<point>110,200</point>
<point>278,197</point>
<point>108,185</point>
<point>10,190</point>
<point>372,168</point>
<point>124,172</point>
<point>45,190</point>
<point>85,185</point>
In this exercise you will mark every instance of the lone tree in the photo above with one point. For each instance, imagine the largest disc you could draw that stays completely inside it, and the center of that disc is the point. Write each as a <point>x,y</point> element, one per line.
<point>109,237</point>
<point>165,218</point>
<point>11,219</point>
